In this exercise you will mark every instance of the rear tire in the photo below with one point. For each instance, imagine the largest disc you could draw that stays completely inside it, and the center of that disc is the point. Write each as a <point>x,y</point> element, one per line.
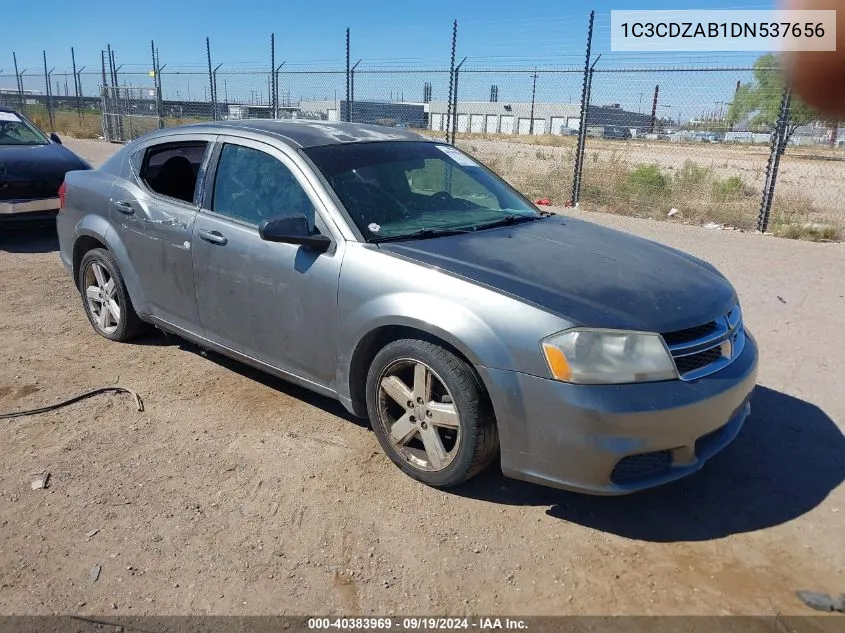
<point>428,410</point>
<point>105,299</point>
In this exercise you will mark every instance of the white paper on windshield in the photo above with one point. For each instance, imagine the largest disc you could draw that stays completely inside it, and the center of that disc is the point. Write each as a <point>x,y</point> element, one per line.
<point>458,157</point>
<point>9,116</point>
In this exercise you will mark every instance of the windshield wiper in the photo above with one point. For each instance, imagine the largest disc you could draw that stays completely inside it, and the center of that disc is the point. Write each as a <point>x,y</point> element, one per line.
<point>509,220</point>
<point>420,235</point>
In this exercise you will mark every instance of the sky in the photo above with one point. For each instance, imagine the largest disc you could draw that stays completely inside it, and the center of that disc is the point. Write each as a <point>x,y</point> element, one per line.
<point>491,34</point>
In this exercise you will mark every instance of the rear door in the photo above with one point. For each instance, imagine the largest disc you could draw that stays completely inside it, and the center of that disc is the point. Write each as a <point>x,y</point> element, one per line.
<point>154,210</point>
<point>274,302</point>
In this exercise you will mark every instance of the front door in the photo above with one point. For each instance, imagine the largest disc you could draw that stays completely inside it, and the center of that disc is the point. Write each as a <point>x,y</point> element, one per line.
<point>274,302</point>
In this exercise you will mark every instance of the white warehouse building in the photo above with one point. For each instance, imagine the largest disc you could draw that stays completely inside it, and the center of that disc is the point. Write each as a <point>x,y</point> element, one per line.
<point>482,117</point>
<point>507,118</point>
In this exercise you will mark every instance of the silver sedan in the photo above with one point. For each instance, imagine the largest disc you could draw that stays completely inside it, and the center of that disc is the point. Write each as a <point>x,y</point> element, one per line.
<point>402,277</point>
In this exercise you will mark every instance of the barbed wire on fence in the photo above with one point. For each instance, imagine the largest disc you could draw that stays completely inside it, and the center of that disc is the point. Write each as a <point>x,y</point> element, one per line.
<point>703,140</point>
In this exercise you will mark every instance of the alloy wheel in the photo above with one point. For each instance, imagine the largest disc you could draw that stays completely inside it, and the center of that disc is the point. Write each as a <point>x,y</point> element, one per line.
<point>418,414</point>
<point>102,297</point>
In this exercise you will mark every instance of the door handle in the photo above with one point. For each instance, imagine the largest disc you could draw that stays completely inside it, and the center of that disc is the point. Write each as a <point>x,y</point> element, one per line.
<point>215,237</point>
<point>124,206</point>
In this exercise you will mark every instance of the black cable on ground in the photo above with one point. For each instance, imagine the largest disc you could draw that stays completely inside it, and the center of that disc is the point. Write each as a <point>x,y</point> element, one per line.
<point>115,389</point>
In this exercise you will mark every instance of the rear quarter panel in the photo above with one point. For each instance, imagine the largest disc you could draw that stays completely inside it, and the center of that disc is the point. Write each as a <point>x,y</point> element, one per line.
<point>85,212</point>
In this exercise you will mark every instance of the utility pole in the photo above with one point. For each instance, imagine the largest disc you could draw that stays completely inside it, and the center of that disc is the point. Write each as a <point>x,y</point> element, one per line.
<point>533,95</point>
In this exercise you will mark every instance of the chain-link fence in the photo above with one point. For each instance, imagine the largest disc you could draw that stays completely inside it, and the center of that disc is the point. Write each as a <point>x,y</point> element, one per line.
<point>662,143</point>
<point>520,122</point>
<point>715,143</point>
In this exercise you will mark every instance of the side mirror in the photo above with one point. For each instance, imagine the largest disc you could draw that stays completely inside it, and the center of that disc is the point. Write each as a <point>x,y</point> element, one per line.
<point>55,138</point>
<point>293,229</point>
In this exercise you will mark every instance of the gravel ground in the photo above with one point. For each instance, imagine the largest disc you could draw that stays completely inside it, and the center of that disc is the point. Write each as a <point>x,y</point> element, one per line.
<point>236,493</point>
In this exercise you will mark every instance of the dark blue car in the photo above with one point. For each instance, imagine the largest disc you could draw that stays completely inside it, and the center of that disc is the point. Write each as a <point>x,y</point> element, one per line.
<point>32,169</point>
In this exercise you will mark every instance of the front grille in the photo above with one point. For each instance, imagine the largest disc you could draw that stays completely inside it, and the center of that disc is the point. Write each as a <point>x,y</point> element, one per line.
<point>29,190</point>
<point>690,334</point>
<point>643,466</point>
<point>693,362</point>
<point>707,348</point>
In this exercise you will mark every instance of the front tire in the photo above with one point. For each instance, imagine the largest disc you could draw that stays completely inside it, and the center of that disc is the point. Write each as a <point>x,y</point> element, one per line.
<point>105,298</point>
<point>428,411</point>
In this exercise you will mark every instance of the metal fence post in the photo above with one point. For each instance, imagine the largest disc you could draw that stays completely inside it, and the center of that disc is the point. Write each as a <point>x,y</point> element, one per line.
<point>19,80</point>
<point>455,100</point>
<point>159,90</point>
<point>210,80</point>
<point>276,80</point>
<point>49,101</point>
<point>76,88</point>
<point>274,105</point>
<point>447,124</point>
<point>155,81</point>
<point>351,105</point>
<point>117,125</point>
<point>348,79</point>
<point>533,98</point>
<point>778,147</point>
<point>582,126</point>
<point>107,122</point>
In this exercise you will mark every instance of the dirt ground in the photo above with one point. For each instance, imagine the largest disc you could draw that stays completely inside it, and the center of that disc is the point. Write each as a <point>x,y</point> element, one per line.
<point>236,493</point>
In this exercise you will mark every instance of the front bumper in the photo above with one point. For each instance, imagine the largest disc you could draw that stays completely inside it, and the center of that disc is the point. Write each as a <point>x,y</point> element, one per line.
<point>29,209</point>
<point>617,439</point>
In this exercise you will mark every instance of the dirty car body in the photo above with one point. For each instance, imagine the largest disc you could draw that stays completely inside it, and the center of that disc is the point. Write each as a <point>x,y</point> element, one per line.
<point>594,360</point>
<point>32,167</point>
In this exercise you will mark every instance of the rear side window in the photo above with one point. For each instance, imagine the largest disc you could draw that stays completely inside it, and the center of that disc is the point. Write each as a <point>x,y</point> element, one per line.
<point>253,186</point>
<point>171,169</point>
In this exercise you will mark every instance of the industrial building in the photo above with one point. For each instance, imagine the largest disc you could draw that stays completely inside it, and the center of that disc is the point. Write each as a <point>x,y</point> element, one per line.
<point>480,117</point>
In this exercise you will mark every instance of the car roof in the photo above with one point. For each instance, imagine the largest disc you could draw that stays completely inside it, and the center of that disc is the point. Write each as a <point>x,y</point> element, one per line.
<point>300,132</point>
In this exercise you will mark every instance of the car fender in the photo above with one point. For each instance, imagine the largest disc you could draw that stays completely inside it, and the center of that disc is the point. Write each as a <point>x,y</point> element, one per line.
<point>444,318</point>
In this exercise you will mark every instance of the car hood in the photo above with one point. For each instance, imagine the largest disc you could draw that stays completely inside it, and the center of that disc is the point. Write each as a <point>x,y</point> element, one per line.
<point>583,272</point>
<point>37,162</point>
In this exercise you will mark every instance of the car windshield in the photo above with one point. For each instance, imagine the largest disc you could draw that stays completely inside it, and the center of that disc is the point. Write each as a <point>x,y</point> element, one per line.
<point>16,131</point>
<point>400,189</point>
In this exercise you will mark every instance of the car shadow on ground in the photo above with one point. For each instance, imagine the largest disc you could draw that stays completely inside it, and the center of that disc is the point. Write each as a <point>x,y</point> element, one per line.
<point>789,456</point>
<point>29,238</point>
<point>329,405</point>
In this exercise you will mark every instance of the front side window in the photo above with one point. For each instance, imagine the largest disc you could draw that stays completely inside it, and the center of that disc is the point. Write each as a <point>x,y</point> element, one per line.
<point>171,169</point>
<point>253,186</point>
<point>400,189</point>
<point>15,130</point>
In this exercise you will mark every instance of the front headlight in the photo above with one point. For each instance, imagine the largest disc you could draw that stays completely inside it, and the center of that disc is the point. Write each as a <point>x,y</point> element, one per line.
<point>607,357</point>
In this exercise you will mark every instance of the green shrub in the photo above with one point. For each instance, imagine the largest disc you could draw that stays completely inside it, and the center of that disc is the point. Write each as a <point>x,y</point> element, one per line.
<point>730,188</point>
<point>692,175</point>
<point>646,180</point>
